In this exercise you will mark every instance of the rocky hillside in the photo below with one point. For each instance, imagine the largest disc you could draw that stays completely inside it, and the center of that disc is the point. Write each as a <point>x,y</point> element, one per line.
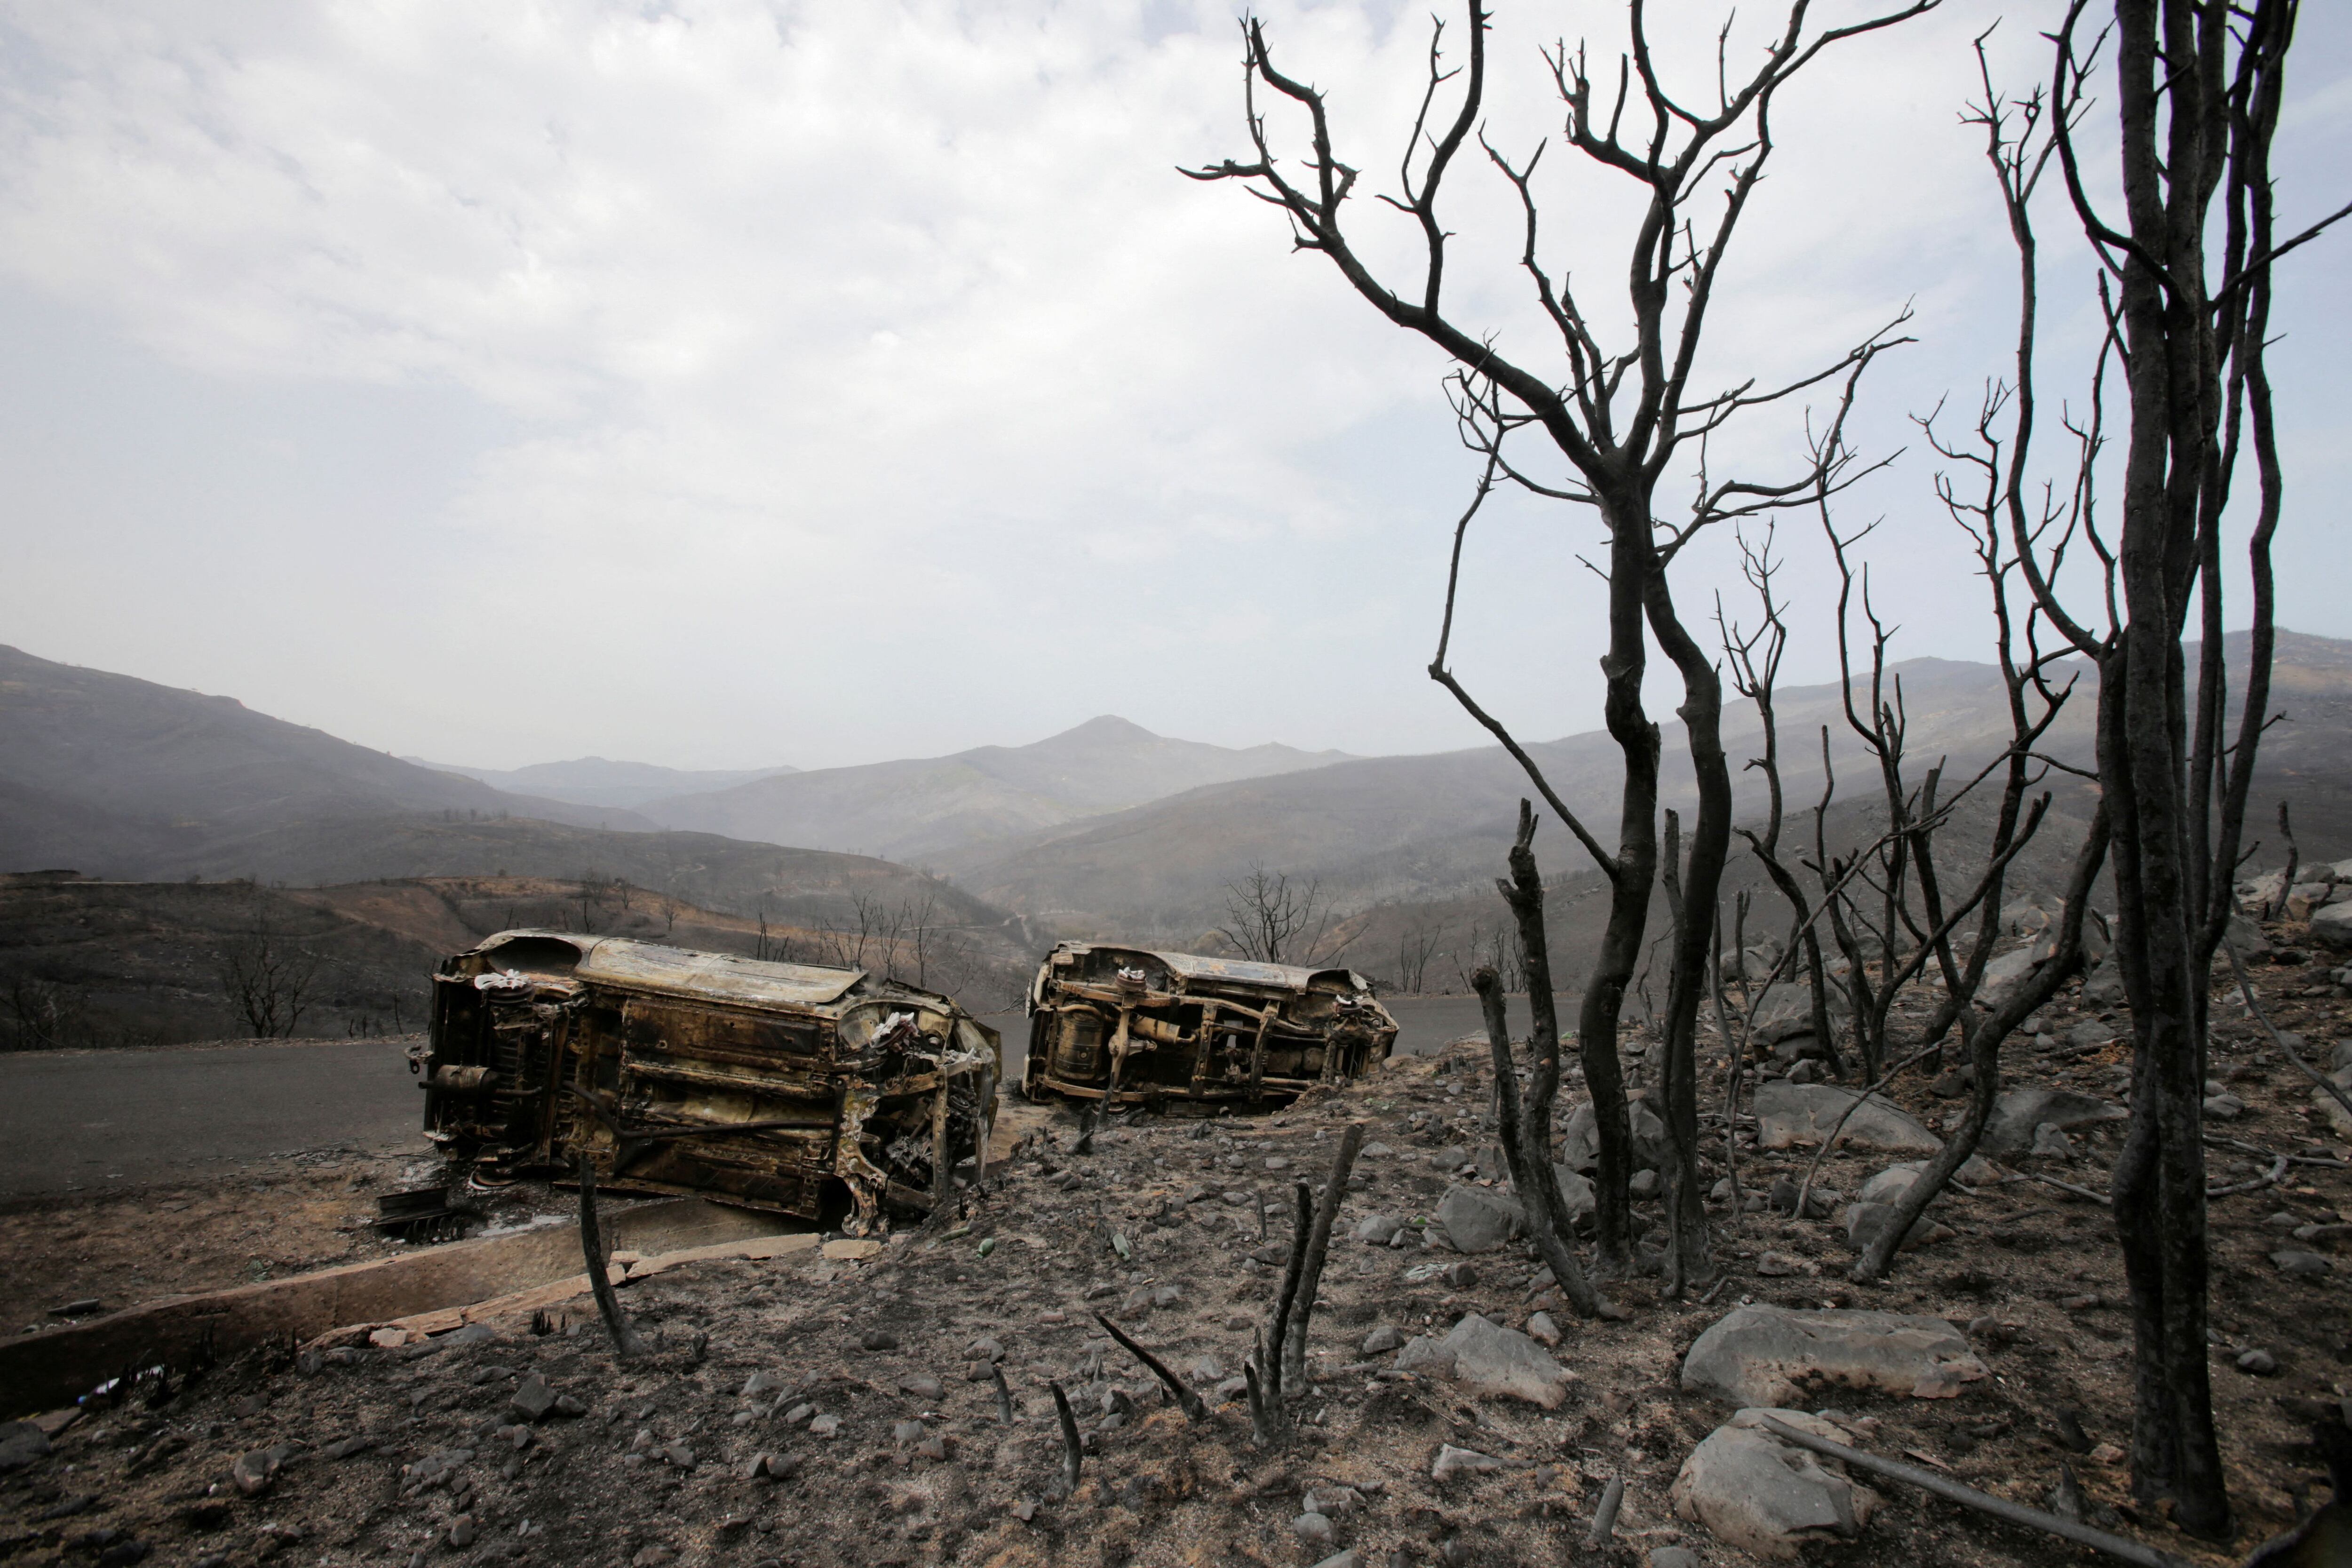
<point>838,1407</point>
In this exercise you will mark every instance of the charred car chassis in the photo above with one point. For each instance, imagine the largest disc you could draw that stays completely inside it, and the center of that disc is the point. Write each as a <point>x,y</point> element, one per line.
<point>782,1087</point>
<point>1128,1025</point>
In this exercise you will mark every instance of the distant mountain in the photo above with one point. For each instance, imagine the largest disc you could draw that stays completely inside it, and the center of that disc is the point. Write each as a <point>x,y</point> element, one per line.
<point>596,781</point>
<point>118,776</point>
<point>1407,830</point>
<point>921,809</point>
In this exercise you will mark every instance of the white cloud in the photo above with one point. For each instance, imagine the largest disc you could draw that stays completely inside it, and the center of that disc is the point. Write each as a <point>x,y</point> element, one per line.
<point>862,378</point>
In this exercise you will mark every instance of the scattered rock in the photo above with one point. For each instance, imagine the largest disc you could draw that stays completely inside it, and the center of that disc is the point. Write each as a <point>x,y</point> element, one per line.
<point>1580,1142</point>
<point>2302,1265</point>
<point>2050,1143</point>
<point>2330,927</point>
<point>927,1389</point>
<point>2222,1106</point>
<point>1382,1339</point>
<point>1673,1557</point>
<point>532,1400</point>
<point>2258,1364</point>
<point>1453,1461</point>
<point>1644,1184</point>
<point>21,1443</point>
<point>1790,1114</point>
<point>1779,1264</point>
<point>1313,1529</point>
<point>760,1385</point>
<point>1332,1501</point>
<point>1502,1362</point>
<point>1866,1223</point>
<point>878,1340</point>
<point>2019,1112</point>
<point>1378,1229</point>
<point>1543,1331</point>
<point>1477,1220</point>
<point>1762,1355</point>
<point>1762,1495</point>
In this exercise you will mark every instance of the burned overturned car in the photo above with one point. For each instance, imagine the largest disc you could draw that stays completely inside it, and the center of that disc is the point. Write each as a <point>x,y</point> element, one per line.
<point>813,1092</point>
<point>1128,1026</point>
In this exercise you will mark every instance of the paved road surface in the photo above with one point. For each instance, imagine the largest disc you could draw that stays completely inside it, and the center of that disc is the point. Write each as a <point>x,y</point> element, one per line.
<point>86,1120</point>
<point>101,1118</point>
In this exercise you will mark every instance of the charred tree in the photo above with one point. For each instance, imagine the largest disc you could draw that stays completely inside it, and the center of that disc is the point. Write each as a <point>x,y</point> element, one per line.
<point>2197,90</point>
<point>1618,417</point>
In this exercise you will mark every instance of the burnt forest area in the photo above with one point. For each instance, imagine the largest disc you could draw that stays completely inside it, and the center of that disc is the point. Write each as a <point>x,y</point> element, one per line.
<point>814,1409</point>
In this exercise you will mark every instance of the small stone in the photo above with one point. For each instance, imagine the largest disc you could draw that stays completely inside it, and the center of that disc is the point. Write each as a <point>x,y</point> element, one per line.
<point>1313,1529</point>
<point>1378,1229</point>
<point>825,1425</point>
<point>1453,1461</point>
<point>798,1414</point>
<point>1207,1369</point>
<point>921,1387</point>
<point>653,1557</point>
<point>571,1404</point>
<point>1332,1502</point>
<point>1673,1557</point>
<point>678,1456</point>
<point>1644,1184</point>
<point>2224,1107</point>
<point>1276,1163</point>
<point>461,1529</point>
<point>985,1348</point>
<point>1778,1265</point>
<point>906,1432</point>
<point>1543,1331</point>
<point>878,1340</point>
<point>2258,1364</point>
<point>1460,1276</point>
<point>2300,1263</point>
<point>2107,1454</point>
<point>760,1384</point>
<point>532,1400</point>
<point>2051,1143</point>
<point>1382,1339</point>
<point>1167,1296</point>
<point>253,1472</point>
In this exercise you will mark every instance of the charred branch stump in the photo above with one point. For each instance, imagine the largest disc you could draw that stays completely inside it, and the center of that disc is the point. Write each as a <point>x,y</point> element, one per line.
<point>626,1341</point>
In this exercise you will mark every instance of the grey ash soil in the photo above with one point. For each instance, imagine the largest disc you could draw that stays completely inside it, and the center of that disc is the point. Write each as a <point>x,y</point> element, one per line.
<point>963,1487</point>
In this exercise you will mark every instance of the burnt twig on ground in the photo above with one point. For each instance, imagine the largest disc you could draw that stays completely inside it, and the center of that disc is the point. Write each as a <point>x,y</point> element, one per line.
<point>1191,1403</point>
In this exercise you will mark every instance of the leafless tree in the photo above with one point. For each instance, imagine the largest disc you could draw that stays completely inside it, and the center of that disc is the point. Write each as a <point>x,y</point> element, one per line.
<point>1416,945</point>
<point>1268,920</point>
<point>266,977</point>
<point>1617,418</point>
<point>42,1014</point>
<point>2197,90</point>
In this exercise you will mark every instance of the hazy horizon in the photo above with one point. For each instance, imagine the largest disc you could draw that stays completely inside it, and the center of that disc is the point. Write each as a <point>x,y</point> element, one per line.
<point>722,384</point>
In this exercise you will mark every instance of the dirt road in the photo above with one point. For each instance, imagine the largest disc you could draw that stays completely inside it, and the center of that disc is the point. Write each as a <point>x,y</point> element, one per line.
<point>85,1120</point>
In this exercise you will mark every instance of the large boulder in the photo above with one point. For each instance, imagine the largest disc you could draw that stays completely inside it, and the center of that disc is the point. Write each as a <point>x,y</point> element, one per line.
<point>1788,1114</point>
<point>1765,1355</point>
<point>2332,926</point>
<point>2009,1130</point>
<point>1580,1144</point>
<point>1503,1363</point>
<point>1762,1495</point>
<point>21,1443</point>
<point>1477,1220</point>
<point>1788,1009</point>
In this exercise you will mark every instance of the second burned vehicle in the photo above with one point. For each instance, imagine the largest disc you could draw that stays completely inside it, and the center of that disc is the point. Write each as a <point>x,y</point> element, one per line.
<point>1131,1026</point>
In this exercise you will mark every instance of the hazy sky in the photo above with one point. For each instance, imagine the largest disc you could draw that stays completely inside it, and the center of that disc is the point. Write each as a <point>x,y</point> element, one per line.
<point>719,383</point>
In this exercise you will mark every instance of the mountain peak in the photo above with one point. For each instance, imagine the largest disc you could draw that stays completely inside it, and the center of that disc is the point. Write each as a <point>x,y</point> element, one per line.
<point>1107,728</point>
